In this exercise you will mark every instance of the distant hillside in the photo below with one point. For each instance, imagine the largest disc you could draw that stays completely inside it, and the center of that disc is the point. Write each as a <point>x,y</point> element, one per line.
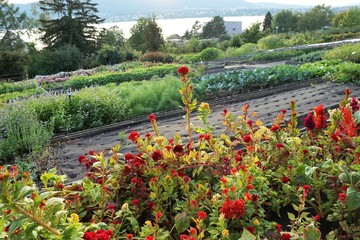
<point>113,10</point>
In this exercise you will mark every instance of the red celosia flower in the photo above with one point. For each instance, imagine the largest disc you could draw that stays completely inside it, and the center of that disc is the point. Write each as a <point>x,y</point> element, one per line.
<point>192,231</point>
<point>156,155</point>
<point>178,150</point>
<point>92,152</point>
<point>354,104</point>
<point>238,208</point>
<point>344,188</point>
<point>149,238</point>
<point>187,179</point>
<point>320,117</point>
<point>98,235</point>
<point>158,215</point>
<point>248,196</point>
<point>278,227</point>
<point>60,185</point>
<point>183,70</point>
<point>285,179</point>
<point>342,197</point>
<point>226,209</point>
<point>247,138</point>
<point>129,156</point>
<point>135,202</point>
<point>111,206</point>
<point>129,236</point>
<point>348,124</point>
<point>275,128</point>
<point>193,203</point>
<point>249,122</point>
<point>285,236</point>
<point>133,136</point>
<point>202,215</point>
<point>184,237</point>
<point>151,205</point>
<point>251,229</point>
<point>82,159</point>
<point>279,145</point>
<point>306,187</point>
<point>283,111</point>
<point>317,217</point>
<point>152,117</point>
<point>225,112</point>
<point>249,187</point>
<point>309,122</point>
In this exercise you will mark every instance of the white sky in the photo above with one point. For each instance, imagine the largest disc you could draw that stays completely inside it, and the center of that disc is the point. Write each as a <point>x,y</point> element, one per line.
<point>297,2</point>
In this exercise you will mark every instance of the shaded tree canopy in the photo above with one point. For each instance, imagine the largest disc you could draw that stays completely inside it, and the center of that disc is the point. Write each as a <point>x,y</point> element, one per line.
<point>146,35</point>
<point>215,28</point>
<point>318,17</point>
<point>348,18</point>
<point>253,33</point>
<point>285,21</point>
<point>73,25</point>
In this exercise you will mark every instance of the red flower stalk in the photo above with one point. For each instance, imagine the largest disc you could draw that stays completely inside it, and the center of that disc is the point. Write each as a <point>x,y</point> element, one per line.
<point>309,122</point>
<point>183,70</point>
<point>275,128</point>
<point>320,117</point>
<point>152,117</point>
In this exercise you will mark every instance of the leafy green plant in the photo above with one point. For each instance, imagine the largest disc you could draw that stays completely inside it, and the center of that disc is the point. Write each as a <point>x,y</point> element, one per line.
<point>309,57</point>
<point>276,55</point>
<point>271,42</point>
<point>349,52</point>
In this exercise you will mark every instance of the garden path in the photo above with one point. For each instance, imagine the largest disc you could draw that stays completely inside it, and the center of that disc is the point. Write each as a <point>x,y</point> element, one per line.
<point>64,155</point>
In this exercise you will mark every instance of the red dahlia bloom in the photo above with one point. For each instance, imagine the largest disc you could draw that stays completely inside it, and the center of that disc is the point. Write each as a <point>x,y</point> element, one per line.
<point>183,70</point>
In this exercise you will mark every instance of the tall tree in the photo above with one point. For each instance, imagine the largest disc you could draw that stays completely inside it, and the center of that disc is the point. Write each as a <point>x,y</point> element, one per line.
<point>11,18</point>
<point>74,24</point>
<point>267,24</point>
<point>146,35</point>
<point>285,21</point>
<point>318,17</point>
<point>214,28</point>
<point>252,34</point>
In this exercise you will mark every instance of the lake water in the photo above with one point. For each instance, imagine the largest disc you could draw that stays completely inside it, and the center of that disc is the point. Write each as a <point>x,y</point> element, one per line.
<point>168,26</point>
<point>180,25</point>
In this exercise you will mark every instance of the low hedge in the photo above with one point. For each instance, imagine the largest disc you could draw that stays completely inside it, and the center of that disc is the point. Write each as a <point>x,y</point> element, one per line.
<point>119,77</point>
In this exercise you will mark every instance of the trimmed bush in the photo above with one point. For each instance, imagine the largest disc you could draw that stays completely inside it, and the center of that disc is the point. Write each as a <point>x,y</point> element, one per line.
<point>157,57</point>
<point>271,42</point>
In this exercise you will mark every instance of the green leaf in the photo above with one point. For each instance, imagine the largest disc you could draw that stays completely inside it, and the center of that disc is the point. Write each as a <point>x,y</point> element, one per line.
<point>182,222</point>
<point>54,201</point>
<point>310,170</point>
<point>15,225</point>
<point>291,216</point>
<point>357,117</point>
<point>312,233</point>
<point>353,198</point>
<point>26,190</point>
<point>247,235</point>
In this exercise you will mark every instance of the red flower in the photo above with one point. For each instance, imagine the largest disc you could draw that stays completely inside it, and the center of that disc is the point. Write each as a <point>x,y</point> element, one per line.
<point>275,128</point>
<point>342,197</point>
<point>285,236</point>
<point>279,145</point>
<point>192,231</point>
<point>82,159</point>
<point>158,215</point>
<point>202,215</point>
<point>129,156</point>
<point>135,202</point>
<point>178,150</point>
<point>129,236</point>
<point>98,235</point>
<point>183,70</point>
<point>152,117</point>
<point>187,179</point>
<point>238,208</point>
<point>283,111</point>
<point>251,229</point>
<point>111,206</point>
<point>285,179</point>
<point>278,227</point>
<point>193,203</point>
<point>320,117</point>
<point>309,122</point>
<point>133,136</point>
<point>149,238</point>
<point>317,217</point>
<point>226,209</point>
<point>156,155</point>
<point>247,138</point>
<point>225,112</point>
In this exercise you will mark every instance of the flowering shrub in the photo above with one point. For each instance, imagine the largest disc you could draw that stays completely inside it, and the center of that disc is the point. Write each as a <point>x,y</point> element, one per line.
<point>232,186</point>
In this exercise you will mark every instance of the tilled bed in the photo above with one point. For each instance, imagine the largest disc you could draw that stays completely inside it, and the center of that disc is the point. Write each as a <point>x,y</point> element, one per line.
<point>267,103</point>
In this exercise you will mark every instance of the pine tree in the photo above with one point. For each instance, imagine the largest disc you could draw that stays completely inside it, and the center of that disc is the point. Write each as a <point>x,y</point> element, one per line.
<point>214,28</point>
<point>267,24</point>
<point>73,24</point>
